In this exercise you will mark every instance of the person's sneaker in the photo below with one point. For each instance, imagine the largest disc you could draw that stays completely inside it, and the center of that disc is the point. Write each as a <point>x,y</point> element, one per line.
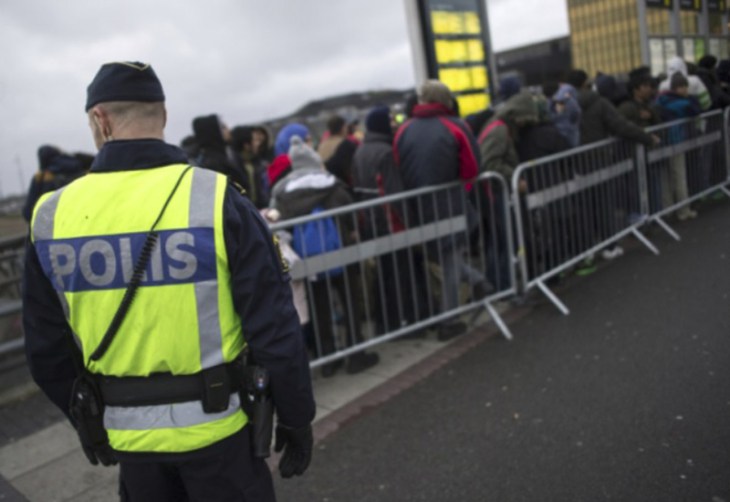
<point>612,253</point>
<point>450,330</point>
<point>587,267</point>
<point>329,369</point>
<point>361,361</point>
<point>686,214</point>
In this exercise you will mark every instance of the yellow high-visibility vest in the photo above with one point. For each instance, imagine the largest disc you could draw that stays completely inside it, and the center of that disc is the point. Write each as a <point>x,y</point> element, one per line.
<point>88,236</point>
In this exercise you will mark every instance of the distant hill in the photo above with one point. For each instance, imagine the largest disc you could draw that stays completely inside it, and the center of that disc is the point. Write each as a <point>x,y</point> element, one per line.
<point>352,106</point>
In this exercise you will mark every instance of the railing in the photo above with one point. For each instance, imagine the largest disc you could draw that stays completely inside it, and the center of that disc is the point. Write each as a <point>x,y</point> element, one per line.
<point>407,262</point>
<point>691,162</point>
<point>12,252</point>
<point>403,258</point>
<point>572,205</point>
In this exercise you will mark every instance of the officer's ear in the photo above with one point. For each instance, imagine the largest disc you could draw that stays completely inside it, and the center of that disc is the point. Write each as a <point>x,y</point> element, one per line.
<point>103,124</point>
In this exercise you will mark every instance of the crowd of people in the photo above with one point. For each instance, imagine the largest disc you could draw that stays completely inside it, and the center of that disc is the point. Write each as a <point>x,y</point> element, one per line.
<point>294,174</point>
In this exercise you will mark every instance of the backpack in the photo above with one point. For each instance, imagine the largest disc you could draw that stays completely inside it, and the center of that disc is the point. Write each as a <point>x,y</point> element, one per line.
<point>317,237</point>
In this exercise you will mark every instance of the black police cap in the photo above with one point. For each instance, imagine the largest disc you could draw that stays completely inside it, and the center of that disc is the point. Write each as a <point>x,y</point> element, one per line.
<point>124,81</point>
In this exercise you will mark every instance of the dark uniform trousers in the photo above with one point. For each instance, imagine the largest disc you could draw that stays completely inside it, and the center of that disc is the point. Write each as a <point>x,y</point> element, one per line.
<point>225,471</point>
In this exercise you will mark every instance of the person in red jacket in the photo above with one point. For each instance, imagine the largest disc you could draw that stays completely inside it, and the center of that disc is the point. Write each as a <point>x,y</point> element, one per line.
<point>432,148</point>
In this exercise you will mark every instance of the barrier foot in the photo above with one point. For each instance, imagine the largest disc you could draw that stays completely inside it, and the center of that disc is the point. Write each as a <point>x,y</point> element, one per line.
<point>724,189</point>
<point>646,242</point>
<point>668,229</point>
<point>551,296</point>
<point>498,321</point>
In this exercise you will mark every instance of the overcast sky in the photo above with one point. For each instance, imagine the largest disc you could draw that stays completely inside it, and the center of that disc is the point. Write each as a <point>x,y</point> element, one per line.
<point>245,60</point>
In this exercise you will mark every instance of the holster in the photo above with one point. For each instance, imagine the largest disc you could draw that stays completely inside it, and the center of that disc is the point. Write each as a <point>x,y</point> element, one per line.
<point>87,411</point>
<point>257,403</point>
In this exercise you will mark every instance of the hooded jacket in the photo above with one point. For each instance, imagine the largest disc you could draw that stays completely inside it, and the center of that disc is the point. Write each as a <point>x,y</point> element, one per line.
<point>601,121</point>
<point>673,107</point>
<point>498,138</point>
<point>568,120</point>
<point>212,153</point>
<point>696,87</point>
<point>56,169</point>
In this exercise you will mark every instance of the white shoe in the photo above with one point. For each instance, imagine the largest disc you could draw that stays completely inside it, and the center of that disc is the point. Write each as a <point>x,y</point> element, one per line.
<point>610,254</point>
<point>686,214</point>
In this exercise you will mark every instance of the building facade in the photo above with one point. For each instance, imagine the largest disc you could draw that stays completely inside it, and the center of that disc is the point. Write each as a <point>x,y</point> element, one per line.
<point>614,36</point>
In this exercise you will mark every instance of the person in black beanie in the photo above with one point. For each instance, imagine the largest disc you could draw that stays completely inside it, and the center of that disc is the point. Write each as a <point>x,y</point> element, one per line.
<point>213,137</point>
<point>706,72</point>
<point>373,166</point>
<point>375,174</point>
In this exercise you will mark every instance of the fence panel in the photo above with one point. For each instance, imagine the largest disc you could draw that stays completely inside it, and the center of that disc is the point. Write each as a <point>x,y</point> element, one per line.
<point>572,205</point>
<point>406,262</point>
<point>690,163</point>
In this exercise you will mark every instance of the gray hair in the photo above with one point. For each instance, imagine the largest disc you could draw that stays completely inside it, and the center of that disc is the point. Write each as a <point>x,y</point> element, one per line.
<point>435,91</point>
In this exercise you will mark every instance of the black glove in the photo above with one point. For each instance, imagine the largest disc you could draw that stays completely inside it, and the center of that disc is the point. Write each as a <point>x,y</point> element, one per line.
<point>104,455</point>
<point>298,452</point>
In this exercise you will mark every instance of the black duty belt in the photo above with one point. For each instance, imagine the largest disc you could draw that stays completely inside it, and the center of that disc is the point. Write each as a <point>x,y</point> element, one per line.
<point>212,386</point>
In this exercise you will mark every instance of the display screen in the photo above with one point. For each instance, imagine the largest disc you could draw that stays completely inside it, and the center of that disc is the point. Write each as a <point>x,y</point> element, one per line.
<point>661,4</point>
<point>717,5</point>
<point>691,5</point>
<point>457,50</point>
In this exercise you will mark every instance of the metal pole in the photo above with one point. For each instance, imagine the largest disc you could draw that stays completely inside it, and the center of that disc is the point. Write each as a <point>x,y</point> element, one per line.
<point>704,25</point>
<point>675,27</point>
<point>415,33</point>
<point>643,32</point>
<point>491,59</point>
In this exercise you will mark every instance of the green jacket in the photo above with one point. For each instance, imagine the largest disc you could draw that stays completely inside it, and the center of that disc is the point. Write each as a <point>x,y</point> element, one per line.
<point>498,138</point>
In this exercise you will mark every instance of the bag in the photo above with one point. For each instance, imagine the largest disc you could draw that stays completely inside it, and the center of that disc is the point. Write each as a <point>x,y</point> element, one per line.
<point>317,237</point>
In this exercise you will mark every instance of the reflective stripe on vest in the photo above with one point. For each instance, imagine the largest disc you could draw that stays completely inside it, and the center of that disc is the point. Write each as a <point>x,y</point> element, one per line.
<point>88,238</point>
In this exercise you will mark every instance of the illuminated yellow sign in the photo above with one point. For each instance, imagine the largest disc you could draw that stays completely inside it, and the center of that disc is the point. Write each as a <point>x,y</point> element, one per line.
<point>460,56</point>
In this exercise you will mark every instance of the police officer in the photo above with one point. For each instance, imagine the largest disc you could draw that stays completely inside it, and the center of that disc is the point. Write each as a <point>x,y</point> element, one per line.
<point>146,282</point>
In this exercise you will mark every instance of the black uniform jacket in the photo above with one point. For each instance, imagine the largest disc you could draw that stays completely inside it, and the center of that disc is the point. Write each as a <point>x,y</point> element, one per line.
<point>261,294</point>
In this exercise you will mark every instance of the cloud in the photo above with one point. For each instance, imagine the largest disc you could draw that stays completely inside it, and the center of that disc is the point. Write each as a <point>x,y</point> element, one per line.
<point>246,60</point>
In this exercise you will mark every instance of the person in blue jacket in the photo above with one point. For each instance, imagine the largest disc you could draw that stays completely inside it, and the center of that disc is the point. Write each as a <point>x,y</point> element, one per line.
<point>675,104</point>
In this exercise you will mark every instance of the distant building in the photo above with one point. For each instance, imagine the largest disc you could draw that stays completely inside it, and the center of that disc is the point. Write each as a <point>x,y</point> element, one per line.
<point>614,36</point>
<point>537,63</point>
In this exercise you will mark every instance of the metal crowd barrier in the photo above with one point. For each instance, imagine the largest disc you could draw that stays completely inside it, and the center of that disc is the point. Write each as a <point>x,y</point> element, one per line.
<point>415,260</point>
<point>406,262</point>
<point>691,162</point>
<point>572,205</point>
<point>12,252</point>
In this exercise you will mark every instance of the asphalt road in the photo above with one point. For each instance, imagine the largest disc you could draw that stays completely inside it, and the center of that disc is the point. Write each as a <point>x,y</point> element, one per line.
<point>626,399</point>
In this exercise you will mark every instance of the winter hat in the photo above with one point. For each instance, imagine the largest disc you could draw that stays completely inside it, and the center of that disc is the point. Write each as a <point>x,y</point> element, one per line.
<point>208,131</point>
<point>124,81</point>
<point>302,156</point>
<point>576,78</point>
<point>708,62</point>
<point>378,120</point>
<point>46,155</point>
<point>678,80</point>
<point>723,71</point>
<point>283,139</point>
<point>241,136</point>
<point>508,87</point>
